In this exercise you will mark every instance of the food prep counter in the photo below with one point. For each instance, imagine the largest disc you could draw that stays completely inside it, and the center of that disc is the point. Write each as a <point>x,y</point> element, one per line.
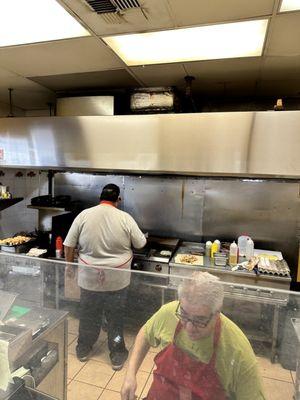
<point>225,273</point>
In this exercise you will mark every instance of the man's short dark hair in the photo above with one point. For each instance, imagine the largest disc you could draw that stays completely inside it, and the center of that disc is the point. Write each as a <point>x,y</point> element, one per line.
<point>110,192</point>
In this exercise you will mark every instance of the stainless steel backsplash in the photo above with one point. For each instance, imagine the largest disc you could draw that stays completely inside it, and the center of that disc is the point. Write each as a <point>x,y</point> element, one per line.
<point>202,208</point>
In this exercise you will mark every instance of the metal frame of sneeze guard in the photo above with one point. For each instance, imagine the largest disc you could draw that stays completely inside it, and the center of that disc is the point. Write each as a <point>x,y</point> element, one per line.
<point>253,305</point>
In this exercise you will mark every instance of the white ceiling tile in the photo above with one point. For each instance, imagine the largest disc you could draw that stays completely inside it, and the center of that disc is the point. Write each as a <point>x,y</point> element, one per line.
<point>155,16</point>
<point>60,57</point>
<point>281,67</point>
<point>196,12</point>
<point>118,78</point>
<point>280,88</point>
<point>161,75</point>
<point>225,70</point>
<point>284,36</point>
<point>26,94</point>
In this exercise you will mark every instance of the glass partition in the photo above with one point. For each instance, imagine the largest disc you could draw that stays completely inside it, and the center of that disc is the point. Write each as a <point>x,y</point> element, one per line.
<point>177,332</point>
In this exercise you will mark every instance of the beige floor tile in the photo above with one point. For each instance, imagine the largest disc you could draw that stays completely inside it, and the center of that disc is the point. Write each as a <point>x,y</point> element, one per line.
<point>147,387</point>
<point>109,395</point>
<point>73,325</point>
<point>71,338</point>
<point>72,347</point>
<point>116,381</point>
<point>142,378</point>
<point>129,339</point>
<point>69,381</point>
<point>273,371</point>
<point>278,390</point>
<point>293,374</point>
<point>148,362</point>
<point>101,353</point>
<point>74,366</point>
<point>79,390</point>
<point>95,373</point>
<point>154,350</point>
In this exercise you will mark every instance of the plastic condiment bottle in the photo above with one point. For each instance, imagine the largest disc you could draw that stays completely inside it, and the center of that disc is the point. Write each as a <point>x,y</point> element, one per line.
<point>218,243</point>
<point>249,249</point>
<point>58,247</point>
<point>233,254</point>
<point>242,243</point>
<point>213,249</point>
<point>208,248</point>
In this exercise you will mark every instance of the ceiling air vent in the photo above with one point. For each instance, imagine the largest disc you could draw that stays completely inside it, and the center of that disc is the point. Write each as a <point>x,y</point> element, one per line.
<point>112,6</point>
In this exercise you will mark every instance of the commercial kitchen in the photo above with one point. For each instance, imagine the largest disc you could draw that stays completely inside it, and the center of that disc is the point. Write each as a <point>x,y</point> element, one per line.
<point>193,111</point>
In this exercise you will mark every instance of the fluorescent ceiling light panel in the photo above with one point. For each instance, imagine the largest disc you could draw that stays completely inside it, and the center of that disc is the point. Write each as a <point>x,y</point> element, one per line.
<point>32,21</point>
<point>290,5</point>
<point>238,39</point>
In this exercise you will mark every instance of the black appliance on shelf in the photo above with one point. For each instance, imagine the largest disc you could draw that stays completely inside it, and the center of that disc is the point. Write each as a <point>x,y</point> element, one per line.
<point>61,201</point>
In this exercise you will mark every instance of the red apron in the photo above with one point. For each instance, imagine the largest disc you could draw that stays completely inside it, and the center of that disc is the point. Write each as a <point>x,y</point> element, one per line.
<point>178,376</point>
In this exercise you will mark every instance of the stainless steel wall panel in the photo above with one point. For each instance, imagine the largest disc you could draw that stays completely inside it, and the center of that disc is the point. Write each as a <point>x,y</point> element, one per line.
<point>267,211</point>
<point>85,187</point>
<point>202,208</point>
<point>275,144</point>
<point>166,206</point>
<point>240,143</point>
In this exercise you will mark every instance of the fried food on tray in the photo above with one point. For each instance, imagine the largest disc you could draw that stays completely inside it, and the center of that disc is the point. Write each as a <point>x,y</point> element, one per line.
<point>189,259</point>
<point>14,241</point>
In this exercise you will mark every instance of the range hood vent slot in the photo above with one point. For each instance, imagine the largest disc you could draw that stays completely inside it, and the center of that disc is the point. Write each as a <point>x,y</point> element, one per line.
<point>112,6</point>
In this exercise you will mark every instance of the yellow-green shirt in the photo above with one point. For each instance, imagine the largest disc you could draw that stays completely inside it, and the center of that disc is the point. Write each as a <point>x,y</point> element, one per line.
<point>236,364</point>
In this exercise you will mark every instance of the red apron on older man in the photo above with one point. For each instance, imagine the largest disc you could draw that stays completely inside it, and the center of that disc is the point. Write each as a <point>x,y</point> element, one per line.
<point>178,376</point>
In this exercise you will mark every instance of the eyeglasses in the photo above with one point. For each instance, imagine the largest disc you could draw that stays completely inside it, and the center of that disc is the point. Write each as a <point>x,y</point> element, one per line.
<point>197,322</point>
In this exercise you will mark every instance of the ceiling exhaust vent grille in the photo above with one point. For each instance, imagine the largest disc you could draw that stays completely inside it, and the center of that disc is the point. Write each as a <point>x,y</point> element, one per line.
<point>112,6</point>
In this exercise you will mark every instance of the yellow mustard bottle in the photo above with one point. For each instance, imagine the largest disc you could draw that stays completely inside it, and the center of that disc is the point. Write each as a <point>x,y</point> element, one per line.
<point>213,249</point>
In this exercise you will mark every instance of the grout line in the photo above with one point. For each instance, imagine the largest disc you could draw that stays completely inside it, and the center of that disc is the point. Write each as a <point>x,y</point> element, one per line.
<point>110,379</point>
<point>278,380</point>
<point>90,384</point>
<point>291,372</point>
<point>149,376</point>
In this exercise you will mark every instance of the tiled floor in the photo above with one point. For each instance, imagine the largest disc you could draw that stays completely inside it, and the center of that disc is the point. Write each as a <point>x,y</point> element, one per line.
<point>95,379</point>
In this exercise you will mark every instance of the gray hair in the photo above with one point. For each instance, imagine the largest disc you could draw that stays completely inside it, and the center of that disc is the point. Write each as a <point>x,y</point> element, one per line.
<point>204,289</point>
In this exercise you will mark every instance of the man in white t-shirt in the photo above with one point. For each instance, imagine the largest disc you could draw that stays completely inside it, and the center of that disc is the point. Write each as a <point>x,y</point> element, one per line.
<point>104,236</point>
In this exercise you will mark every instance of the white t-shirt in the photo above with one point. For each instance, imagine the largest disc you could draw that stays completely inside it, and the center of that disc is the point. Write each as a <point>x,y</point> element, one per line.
<point>104,235</point>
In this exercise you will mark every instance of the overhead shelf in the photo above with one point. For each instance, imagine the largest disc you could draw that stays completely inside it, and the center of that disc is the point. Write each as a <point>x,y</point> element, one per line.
<point>47,208</point>
<point>5,203</point>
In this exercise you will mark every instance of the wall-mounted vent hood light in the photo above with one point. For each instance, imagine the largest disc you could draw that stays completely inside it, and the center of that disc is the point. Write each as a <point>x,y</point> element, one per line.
<point>289,5</point>
<point>230,40</point>
<point>33,21</point>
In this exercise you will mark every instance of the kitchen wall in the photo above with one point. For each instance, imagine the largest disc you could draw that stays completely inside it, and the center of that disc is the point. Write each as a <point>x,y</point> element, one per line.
<point>29,184</point>
<point>4,111</point>
<point>202,208</point>
<point>186,207</point>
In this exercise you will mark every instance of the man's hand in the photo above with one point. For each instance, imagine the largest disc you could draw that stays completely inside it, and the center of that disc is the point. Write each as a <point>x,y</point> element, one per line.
<point>70,271</point>
<point>129,388</point>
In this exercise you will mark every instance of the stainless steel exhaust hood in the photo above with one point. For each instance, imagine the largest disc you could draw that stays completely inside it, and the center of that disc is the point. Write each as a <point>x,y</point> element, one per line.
<point>233,144</point>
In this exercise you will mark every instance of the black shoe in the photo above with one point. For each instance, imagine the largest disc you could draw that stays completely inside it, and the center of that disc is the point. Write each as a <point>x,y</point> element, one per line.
<point>83,353</point>
<point>118,359</point>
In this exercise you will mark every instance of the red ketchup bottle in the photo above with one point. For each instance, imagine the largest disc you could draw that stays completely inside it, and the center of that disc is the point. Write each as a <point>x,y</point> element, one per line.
<point>59,247</point>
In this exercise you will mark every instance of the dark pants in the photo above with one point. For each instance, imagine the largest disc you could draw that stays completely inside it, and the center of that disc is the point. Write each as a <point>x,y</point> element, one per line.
<point>92,307</point>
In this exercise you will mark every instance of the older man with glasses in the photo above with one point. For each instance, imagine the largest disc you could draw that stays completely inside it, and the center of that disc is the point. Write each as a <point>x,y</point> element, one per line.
<point>203,354</point>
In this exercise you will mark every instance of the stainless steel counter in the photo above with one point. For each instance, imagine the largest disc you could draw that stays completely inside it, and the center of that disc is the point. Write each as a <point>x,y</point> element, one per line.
<point>226,275</point>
